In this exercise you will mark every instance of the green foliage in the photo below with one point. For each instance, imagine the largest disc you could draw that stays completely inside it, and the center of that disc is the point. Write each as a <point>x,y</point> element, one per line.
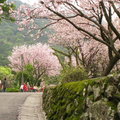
<point>69,74</point>
<point>73,74</point>
<point>2,1</point>
<point>6,7</point>
<point>12,90</point>
<point>29,68</point>
<point>52,80</point>
<point>27,75</point>
<point>5,72</point>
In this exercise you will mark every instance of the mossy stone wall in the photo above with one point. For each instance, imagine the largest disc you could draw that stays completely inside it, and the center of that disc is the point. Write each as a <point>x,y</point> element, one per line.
<point>92,99</point>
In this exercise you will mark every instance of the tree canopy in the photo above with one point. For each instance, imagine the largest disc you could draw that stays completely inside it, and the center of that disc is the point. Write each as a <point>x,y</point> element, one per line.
<point>40,56</point>
<point>96,20</point>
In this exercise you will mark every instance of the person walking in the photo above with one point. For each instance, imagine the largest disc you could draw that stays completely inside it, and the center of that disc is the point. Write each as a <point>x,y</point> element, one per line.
<point>4,85</point>
<point>42,85</point>
<point>25,88</point>
<point>21,87</point>
<point>28,86</point>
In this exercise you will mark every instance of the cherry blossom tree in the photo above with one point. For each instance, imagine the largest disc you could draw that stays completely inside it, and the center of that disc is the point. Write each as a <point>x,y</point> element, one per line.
<point>80,51</point>
<point>97,20</point>
<point>40,56</point>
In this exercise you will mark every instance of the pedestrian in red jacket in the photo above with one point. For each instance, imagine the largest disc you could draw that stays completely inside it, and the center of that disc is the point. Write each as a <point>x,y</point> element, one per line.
<point>25,88</point>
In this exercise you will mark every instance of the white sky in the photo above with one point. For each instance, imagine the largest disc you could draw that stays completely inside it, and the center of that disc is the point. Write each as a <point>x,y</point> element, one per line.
<point>31,2</point>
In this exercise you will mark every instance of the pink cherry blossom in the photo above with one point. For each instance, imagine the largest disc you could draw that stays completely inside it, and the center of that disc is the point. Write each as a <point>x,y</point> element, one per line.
<point>39,55</point>
<point>96,20</point>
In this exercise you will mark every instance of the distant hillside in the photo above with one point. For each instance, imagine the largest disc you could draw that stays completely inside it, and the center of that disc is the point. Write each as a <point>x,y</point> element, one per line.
<point>10,37</point>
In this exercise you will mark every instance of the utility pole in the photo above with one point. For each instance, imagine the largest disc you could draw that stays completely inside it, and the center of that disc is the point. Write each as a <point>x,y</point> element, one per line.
<point>22,64</point>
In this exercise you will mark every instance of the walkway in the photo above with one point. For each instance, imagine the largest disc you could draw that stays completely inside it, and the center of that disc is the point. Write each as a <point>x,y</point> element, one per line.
<point>9,104</point>
<point>21,106</point>
<point>32,108</point>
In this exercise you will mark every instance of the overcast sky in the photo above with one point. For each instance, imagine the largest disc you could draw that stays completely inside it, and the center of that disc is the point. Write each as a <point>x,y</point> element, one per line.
<point>29,1</point>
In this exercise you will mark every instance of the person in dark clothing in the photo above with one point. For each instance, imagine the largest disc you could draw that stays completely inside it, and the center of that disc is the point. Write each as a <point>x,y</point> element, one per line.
<point>4,85</point>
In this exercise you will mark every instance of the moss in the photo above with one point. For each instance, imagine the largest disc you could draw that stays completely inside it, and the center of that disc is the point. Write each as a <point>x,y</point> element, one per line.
<point>66,101</point>
<point>91,97</point>
<point>79,86</point>
<point>112,105</point>
<point>117,95</point>
<point>73,117</point>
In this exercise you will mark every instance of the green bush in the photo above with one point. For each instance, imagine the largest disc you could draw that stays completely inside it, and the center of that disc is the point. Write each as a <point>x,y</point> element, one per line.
<point>73,74</point>
<point>52,80</point>
<point>12,90</point>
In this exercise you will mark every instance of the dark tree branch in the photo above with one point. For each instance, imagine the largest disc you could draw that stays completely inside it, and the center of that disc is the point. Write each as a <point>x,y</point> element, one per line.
<point>115,9</point>
<point>108,20</point>
<point>79,28</point>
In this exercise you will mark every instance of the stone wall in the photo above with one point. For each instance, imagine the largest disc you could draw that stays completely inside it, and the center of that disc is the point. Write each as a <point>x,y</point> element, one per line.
<point>92,99</point>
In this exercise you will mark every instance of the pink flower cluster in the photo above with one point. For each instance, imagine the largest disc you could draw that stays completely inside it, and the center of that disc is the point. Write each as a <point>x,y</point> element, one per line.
<point>39,55</point>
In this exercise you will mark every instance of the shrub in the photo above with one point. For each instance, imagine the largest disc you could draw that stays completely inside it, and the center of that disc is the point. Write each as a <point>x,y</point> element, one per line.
<point>12,90</point>
<point>73,74</point>
<point>52,80</point>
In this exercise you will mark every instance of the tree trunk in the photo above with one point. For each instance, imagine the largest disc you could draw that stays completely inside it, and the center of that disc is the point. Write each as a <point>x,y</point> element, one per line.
<point>111,65</point>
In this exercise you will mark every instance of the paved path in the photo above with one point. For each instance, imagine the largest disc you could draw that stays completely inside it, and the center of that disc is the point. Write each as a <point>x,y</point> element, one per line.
<point>12,104</point>
<point>31,109</point>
